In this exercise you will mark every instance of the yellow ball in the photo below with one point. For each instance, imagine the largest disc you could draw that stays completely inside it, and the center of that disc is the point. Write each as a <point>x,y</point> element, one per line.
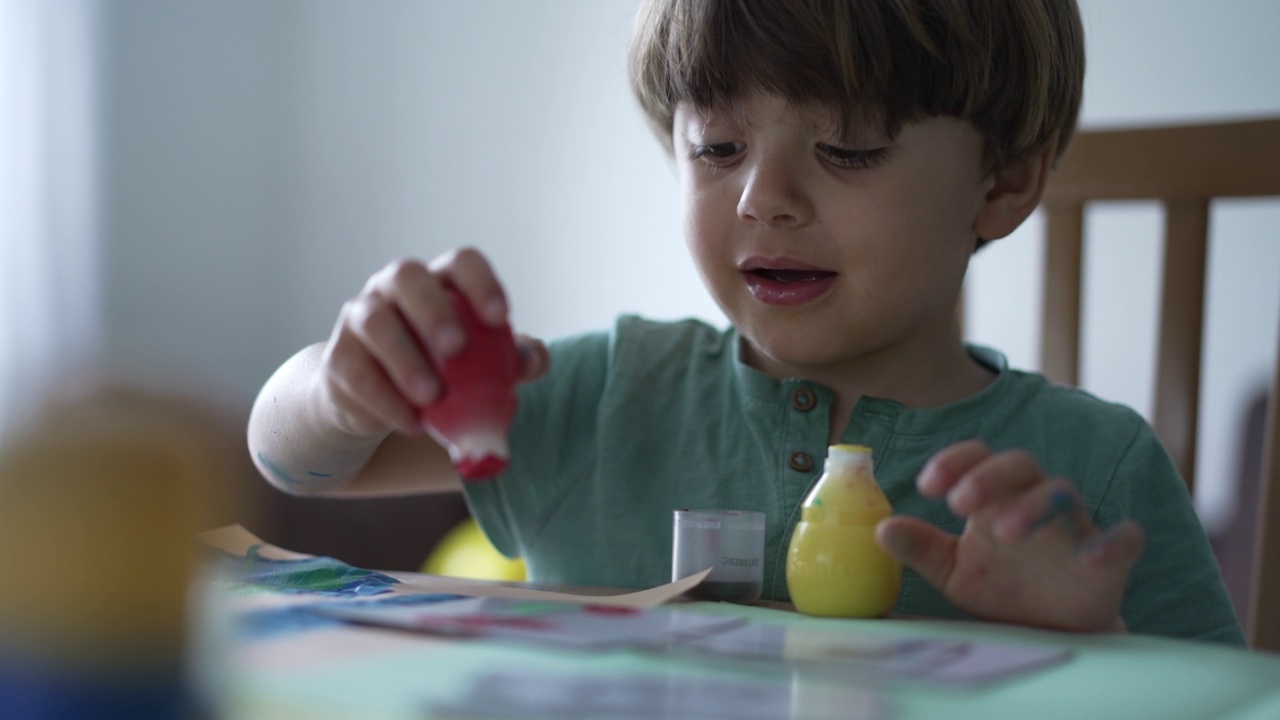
<point>465,552</point>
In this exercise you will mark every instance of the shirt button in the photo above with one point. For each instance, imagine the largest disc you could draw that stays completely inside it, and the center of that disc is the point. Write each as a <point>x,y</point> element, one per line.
<point>803,399</point>
<point>800,462</point>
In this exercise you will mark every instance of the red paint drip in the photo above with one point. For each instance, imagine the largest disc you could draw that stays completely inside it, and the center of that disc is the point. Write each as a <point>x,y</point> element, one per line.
<point>610,610</point>
<point>480,468</point>
<point>477,403</point>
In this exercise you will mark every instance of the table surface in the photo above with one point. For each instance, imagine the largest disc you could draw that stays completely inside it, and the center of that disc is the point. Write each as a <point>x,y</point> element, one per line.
<point>351,671</point>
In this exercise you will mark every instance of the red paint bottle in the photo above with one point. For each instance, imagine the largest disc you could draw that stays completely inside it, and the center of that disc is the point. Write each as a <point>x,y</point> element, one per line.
<point>477,403</point>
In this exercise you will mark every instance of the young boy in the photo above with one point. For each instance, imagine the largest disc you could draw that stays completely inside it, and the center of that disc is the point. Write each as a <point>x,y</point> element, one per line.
<point>839,163</point>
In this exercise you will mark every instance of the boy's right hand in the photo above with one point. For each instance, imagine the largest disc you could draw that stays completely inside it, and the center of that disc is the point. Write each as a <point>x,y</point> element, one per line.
<point>376,369</point>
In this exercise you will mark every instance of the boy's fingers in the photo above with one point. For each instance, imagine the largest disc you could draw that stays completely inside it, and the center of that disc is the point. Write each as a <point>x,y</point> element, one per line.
<point>534,358</point>
<point>381,330</point>
<point>947,466</point>
<point>421,298</point>
<point>920,546</point>
<point>995,480</point>
<point>368,392</point>
<point>1119,548</point>
<point>378,399</point>
<point>1055,502</point>
<point>468,271</point>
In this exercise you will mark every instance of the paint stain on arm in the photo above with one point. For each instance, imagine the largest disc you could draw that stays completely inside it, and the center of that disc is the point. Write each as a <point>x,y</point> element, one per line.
<point>313,481</point>
<point>279,472</point>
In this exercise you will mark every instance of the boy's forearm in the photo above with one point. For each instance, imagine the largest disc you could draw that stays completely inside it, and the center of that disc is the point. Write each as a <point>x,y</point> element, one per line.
<point>294,445</point>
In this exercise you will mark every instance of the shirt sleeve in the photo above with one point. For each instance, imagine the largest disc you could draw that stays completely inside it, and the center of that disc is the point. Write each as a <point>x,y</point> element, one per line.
<point>1176,588</point>
<point>552,440</point>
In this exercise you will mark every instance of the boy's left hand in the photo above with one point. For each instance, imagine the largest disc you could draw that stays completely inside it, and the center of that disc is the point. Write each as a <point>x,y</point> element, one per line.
<point>1008,565</point>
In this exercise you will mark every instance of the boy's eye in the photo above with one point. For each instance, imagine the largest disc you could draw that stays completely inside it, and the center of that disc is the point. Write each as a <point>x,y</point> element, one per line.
<point>851,158</point>
<point>715,152</point>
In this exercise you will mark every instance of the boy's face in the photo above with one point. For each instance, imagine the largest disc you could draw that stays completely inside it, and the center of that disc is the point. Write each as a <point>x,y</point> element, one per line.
<point>826,251</point>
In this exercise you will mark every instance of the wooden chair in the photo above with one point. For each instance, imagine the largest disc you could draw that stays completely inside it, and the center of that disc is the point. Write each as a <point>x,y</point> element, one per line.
<point>1183,167</point>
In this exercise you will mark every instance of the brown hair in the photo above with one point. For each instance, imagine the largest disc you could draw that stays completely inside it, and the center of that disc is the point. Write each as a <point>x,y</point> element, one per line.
<point>1013,68</point>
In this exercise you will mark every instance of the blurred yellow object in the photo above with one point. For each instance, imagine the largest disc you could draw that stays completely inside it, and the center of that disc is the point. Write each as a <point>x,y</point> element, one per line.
<point>101,496</point>
<point>100,500</point>
<point>465,552</point>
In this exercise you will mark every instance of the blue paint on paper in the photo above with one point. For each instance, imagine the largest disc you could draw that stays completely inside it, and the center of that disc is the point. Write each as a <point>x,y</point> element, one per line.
<point>260,624</point>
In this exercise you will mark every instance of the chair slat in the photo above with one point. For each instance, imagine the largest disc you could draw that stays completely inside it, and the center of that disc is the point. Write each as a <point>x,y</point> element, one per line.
<point>1181,329</point>
<point>1235,159</point>
<point>1060,335</point>
<point>1264,600</point>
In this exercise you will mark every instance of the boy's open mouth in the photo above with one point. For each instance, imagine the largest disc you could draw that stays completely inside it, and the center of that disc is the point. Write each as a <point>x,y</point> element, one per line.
<point>791,276</point>
<point>788,286</point>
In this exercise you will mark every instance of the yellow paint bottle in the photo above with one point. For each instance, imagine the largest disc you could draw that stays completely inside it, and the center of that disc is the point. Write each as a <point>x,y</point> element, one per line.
<point>100,502</point>
<point>834,566</point>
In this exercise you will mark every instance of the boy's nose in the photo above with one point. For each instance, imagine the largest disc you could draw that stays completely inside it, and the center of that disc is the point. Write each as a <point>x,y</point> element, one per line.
<point>772,195</point>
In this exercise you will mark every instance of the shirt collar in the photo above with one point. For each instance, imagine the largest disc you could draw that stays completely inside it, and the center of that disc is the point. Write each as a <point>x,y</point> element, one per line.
<point>906,421</point>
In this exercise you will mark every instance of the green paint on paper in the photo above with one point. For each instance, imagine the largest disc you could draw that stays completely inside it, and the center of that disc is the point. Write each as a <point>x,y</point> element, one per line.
<point>317,575</point>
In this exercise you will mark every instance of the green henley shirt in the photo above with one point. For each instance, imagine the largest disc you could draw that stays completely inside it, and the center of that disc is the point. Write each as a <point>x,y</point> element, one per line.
<point>629,425</point>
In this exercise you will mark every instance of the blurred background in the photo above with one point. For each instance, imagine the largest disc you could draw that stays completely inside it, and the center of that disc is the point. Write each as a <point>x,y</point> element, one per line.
<point>190,190</point>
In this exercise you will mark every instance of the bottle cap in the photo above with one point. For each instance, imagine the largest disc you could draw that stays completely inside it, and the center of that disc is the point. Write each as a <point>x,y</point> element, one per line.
<point>846,450</point>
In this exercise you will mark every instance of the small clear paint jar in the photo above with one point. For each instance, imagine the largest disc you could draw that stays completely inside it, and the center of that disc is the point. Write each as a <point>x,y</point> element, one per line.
<point>730,542</point>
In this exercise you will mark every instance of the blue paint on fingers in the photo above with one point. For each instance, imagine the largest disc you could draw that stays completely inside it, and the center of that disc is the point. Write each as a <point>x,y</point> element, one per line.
<point>1064,510</point>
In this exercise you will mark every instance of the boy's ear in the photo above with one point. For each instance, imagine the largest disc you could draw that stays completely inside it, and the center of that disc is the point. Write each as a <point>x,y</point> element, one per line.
<point>1015,191</point>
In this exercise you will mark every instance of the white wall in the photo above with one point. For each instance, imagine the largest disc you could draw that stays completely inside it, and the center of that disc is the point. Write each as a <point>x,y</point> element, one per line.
<point>197,180</point>
<point>266,158</point>
<point>260,160</point>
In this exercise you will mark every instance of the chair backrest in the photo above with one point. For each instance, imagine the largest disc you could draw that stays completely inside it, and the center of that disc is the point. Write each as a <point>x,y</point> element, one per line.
<point>1183,167</point>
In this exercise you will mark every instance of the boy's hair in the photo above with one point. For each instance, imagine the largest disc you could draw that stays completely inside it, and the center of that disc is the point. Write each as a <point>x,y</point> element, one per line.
<point>1012,68</point>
